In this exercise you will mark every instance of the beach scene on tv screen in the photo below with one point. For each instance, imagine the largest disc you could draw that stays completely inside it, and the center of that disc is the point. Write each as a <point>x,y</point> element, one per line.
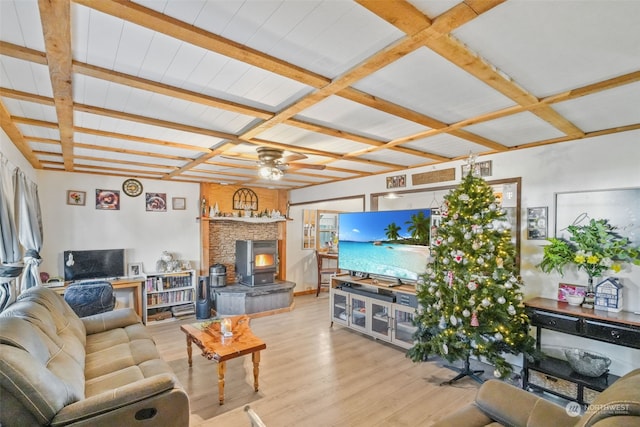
<point>385,243</point>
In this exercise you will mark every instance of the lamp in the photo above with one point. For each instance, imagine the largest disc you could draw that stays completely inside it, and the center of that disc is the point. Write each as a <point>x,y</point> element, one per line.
<point>270,172</point>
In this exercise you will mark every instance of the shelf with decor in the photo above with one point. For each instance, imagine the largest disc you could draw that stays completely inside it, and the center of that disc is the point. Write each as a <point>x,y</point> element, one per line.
<point>556,375</point>
<point>169,295</point>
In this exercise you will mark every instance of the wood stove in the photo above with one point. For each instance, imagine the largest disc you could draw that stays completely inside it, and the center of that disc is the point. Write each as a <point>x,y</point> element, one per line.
<point>256,262</point>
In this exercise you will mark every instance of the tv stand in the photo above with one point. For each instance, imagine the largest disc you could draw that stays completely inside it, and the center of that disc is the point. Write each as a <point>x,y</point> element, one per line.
<point>382,309</point>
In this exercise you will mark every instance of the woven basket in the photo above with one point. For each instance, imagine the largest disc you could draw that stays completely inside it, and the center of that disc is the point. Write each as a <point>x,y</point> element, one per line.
<point>554,384</point>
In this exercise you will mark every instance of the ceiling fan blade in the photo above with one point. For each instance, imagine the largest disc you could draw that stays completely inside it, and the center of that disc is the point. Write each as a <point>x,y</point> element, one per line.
<point>240,157</point>
<point>305,166</point>
<point>293,157</point>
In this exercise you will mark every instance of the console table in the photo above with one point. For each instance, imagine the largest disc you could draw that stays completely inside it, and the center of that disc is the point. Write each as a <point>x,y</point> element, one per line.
<point>556,376</point>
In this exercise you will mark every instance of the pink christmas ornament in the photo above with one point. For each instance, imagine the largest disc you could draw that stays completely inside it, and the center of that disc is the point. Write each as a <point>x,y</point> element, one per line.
<point>474,320</point>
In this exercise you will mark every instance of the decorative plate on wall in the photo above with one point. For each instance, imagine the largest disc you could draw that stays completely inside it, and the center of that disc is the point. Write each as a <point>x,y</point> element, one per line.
<point>132,187</point>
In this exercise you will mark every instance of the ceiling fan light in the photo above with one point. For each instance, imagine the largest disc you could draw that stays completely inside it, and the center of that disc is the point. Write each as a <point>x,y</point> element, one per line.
<point>271,173</point>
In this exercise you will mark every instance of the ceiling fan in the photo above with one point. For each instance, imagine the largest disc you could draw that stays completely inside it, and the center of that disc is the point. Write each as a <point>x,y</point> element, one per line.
<point>272,163</point>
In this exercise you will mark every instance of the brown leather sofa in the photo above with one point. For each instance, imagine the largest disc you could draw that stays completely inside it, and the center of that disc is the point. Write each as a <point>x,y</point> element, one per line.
<point>58,369</point>
<point>501,404</point>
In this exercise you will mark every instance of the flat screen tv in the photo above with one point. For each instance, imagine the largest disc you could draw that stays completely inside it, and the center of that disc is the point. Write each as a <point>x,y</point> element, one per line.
<point>93,264</point>
<point>391,244</point>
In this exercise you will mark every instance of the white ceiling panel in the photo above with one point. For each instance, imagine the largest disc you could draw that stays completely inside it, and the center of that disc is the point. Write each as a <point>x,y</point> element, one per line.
<point>552,46</point>
<point>126,127</point>
<point>25,76</point>
<point>326,37</point>
<point>118,97</point>
<point>516,129</point>
<point>352,117</point>
<point>115,143</point>
<point>126,156</point>
<point>604,110</point>
<point>421,82</point>
<point>299,137</point>
<point>394,157</point>
<point>39,131</point>
<point>447,145</point>
<point>17,21</point>
<point>281,63</point>
<point>46,148</point>
<point>359,167</point>
<point>31,110</point>
<point>51,158</point>
<point>433,8</point>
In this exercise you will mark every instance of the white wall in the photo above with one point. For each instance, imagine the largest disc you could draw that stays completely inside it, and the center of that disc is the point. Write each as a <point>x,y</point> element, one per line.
<point>605,162</point>
<point>143,234</point>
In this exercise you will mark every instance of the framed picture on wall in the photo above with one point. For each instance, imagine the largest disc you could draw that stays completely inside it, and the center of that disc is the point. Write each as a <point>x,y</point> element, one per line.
<point>108,199</point>
<point>76,198</point>
<point>179,203</point>
<point>156,202</point>
<point>537,223</point>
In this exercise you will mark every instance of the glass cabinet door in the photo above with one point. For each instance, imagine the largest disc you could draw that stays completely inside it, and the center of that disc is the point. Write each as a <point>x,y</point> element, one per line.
<point>381,320</point>
<point>339,307</point>
<point>359,310</point>
<point>403,327</point>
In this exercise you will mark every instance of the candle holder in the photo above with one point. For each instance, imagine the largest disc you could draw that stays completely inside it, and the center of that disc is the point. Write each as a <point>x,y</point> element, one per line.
<point>226,327</point>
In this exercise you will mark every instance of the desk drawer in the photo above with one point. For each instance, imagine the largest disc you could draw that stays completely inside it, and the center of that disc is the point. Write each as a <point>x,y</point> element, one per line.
<point>616,334</point>
<point>556,322</point>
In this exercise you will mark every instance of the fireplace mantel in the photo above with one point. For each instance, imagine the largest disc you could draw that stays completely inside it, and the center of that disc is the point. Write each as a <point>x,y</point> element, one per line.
<point>256,220</point>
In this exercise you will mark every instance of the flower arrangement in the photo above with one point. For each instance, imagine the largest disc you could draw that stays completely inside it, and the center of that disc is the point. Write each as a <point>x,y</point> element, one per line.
<point>595,247</point>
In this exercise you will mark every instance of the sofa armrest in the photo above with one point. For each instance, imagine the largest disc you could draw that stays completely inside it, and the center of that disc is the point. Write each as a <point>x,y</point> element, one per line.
<point>119,318</point>
<point>510,405</point>
<point>113,399</point>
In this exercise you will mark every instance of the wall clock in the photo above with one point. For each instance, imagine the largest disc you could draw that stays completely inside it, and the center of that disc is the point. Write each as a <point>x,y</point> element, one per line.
<point>132,187</point>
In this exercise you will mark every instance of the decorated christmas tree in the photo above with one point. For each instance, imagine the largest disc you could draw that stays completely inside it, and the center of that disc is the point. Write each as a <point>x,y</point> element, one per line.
<point>470,297</point>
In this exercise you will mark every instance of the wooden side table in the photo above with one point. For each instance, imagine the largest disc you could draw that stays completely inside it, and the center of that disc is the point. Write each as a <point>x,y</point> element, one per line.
<point>215,346</point>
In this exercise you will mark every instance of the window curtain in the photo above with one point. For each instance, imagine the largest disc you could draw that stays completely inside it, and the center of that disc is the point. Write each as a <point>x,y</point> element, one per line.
<point>10,253</point>
<point>29,223</point>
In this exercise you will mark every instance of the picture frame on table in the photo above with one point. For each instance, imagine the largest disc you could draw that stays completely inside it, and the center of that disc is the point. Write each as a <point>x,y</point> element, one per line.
<point>565,289</point>
<point>76,198</point>
<point>134,269</point>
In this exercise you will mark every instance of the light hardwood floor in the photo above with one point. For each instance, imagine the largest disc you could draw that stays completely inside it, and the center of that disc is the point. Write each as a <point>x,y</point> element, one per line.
<point>312,374</point>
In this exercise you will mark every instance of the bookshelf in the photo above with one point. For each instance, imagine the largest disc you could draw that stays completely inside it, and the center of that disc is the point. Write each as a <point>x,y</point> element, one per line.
<point>169,295</point>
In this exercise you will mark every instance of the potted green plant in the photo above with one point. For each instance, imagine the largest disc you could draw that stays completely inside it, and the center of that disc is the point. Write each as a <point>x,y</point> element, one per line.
<point>594,247</point>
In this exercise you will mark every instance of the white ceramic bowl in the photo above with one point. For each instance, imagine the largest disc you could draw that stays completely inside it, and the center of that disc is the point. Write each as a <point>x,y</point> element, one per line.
<point>575,299</point>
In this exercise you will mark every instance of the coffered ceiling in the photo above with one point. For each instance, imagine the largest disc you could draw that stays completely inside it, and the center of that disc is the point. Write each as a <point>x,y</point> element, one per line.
<point>187,90</point>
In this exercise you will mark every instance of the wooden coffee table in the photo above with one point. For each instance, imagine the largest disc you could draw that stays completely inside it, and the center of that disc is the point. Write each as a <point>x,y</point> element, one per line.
<point>208,337</point>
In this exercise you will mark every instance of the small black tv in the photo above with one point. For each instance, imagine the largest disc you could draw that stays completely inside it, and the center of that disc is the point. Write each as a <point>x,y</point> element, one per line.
<point>93,264</point>
<point>393,244</point>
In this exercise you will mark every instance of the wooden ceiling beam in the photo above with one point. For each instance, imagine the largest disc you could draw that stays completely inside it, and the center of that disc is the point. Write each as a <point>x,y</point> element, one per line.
<point>56,26</point>
<point>23,53</point>
<point>9,127</point>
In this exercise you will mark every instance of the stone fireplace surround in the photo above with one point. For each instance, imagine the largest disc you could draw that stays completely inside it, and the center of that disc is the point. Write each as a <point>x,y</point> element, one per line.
<point>222,240</point>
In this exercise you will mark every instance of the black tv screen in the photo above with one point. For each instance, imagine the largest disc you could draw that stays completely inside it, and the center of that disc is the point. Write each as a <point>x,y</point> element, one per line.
<point>94,264</point>
<point>385,243</point>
